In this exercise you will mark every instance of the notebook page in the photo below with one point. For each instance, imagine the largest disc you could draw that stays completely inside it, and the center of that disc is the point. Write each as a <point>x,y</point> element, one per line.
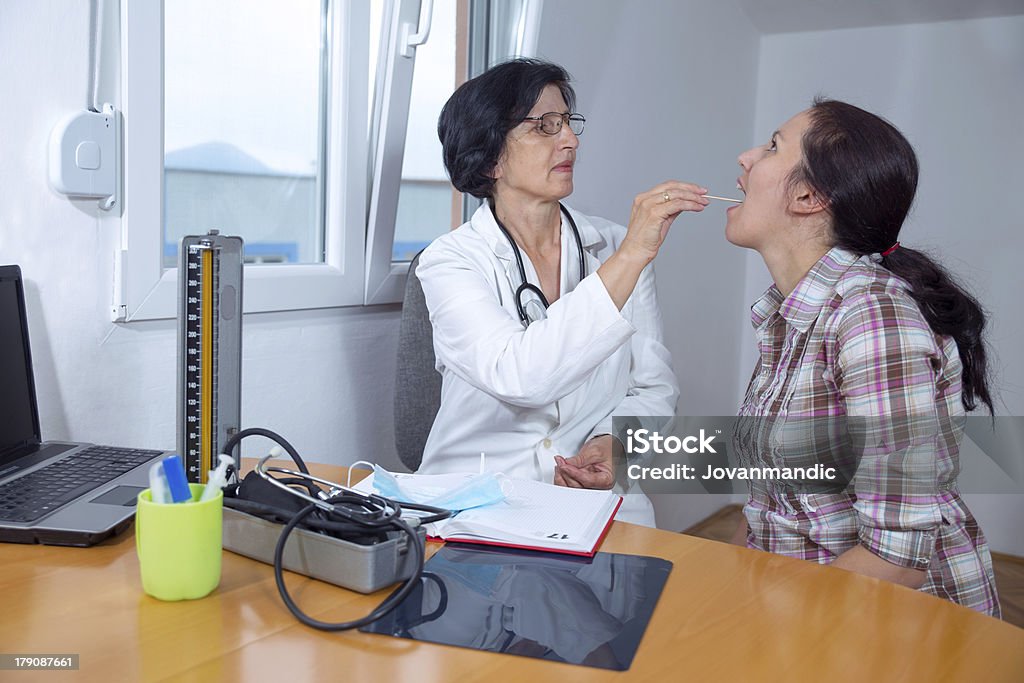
<point>538,514</point>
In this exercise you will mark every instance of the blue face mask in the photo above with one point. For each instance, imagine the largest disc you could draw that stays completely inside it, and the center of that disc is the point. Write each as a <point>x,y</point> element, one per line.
<point>479,490</point>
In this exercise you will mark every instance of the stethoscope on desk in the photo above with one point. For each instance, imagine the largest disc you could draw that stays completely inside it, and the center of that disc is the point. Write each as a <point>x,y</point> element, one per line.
<point>338,511</point>
<point>526,286</point>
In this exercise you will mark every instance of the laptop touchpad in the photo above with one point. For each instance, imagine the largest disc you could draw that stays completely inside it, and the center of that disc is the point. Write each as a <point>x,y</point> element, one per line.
<point>119,495</point>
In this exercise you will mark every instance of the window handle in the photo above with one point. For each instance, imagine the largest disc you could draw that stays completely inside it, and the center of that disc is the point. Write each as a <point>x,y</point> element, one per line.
<point>411,41</point>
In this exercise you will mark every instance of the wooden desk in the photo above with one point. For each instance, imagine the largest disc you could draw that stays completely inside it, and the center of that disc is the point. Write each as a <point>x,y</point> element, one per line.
<point>727,614</point>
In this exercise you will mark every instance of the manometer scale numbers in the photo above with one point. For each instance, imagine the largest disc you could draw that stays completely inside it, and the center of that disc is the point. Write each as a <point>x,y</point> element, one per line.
<point>202,272</point>
<point>209,348</point>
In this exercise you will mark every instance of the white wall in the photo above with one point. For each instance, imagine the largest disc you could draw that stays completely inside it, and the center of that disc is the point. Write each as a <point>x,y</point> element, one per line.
<point>938,82</point>
<point>954,89</point>
<point>685,72</point>
<point>660,68</point>
<point>322,379</point>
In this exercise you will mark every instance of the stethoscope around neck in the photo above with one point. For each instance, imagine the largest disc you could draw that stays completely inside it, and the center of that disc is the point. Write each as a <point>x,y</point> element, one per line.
<point>526,287</point>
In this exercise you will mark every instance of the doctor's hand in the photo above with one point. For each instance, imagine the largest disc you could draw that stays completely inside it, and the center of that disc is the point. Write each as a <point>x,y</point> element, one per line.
<point>591,468</point>
<point>653,213</point>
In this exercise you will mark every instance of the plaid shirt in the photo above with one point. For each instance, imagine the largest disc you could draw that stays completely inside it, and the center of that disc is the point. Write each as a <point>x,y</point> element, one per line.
<point>849,343</point>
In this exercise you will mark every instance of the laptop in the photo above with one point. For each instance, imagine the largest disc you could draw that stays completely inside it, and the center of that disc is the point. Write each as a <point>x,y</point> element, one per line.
<point>51,492</point>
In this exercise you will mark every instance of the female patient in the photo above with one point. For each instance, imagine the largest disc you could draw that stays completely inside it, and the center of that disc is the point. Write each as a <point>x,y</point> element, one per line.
<point>860,327</point>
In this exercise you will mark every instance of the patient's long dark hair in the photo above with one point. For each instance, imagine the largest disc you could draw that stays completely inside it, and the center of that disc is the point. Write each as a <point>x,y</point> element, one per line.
<point>867,171</point>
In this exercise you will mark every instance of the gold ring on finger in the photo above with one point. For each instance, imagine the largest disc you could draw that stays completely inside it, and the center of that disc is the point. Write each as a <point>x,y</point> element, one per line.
<point>666,197</point>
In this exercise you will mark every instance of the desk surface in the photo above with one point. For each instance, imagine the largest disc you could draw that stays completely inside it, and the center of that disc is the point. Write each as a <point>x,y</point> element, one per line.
<point>727,613</point>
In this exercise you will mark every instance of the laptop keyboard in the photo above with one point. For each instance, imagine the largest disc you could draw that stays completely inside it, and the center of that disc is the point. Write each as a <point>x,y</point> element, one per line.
<point>28,498</point>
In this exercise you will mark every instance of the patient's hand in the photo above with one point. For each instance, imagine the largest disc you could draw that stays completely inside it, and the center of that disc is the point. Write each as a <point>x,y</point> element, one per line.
<point>591,468</point>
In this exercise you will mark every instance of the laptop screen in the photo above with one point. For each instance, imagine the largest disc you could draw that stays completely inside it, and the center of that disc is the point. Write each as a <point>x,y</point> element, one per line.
<point>18,421</point>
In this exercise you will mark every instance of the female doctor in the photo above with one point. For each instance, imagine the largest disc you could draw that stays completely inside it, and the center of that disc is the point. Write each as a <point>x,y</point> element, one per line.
<point>545,321</point>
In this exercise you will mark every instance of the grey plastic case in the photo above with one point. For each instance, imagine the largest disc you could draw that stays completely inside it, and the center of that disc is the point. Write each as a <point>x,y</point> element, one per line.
<point>362,568</point>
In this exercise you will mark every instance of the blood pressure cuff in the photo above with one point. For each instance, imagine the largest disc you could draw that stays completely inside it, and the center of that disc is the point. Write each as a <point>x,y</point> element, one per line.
<point>258,497</point>
<point>256,489</point>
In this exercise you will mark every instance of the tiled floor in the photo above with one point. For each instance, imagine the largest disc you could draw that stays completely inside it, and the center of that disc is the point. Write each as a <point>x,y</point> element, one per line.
<point>1009,568</point>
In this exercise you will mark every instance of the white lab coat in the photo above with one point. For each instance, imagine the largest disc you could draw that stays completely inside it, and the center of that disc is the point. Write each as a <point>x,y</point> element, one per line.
<point>523,396</point>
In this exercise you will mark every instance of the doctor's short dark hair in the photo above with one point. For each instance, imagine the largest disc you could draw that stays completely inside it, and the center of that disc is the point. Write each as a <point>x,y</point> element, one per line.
<point>478,117</point>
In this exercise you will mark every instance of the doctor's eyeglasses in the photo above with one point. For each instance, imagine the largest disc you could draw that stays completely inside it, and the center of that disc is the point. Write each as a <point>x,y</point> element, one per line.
<point>551,123</point>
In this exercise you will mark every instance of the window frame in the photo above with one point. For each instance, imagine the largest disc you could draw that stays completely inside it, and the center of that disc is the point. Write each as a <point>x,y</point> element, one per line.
<point>361,178</point>
<point>143,288</point>
<point>385,279</point>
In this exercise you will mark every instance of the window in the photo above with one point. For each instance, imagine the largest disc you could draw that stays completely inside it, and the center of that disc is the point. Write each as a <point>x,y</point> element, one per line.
<point>308,127</point>
<point>405,155</point>
<point>425,196</point>
<point>243,125</point>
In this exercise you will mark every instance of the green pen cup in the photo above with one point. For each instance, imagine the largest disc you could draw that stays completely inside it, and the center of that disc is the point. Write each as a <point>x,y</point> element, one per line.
<point>179,545</point>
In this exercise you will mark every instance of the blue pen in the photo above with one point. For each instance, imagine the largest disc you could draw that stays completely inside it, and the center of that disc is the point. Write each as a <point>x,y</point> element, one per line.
<point>174,471</point>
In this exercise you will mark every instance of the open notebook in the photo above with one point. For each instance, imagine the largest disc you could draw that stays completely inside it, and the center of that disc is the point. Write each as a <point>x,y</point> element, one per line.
<point>534,515</point>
